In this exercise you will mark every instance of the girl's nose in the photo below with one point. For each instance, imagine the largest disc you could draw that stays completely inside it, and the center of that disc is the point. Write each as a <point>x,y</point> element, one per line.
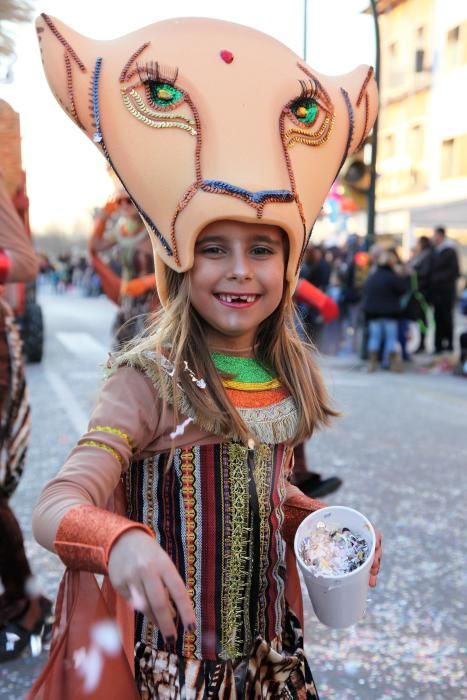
<point>241,267</point>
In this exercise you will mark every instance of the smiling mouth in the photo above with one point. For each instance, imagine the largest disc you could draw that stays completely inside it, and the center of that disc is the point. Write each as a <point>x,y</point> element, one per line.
<point>237,300</point>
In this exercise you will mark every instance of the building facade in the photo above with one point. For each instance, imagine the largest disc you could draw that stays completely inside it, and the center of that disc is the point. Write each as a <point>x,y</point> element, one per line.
<point>422,138</point>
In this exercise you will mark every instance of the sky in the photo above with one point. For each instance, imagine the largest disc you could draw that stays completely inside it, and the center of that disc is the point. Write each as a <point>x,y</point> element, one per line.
<point>66,174</point>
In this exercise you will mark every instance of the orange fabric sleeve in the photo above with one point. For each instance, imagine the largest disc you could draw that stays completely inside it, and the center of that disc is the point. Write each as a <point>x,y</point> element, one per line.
<point>296,507</point>
<point>86,535</point>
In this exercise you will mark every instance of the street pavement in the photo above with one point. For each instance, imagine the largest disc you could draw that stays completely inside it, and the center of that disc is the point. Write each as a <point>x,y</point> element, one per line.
<point>400,448</point>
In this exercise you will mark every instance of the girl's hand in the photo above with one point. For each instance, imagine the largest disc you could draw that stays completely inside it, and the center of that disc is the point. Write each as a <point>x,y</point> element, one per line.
<point>142,572</point>
<point>377,559</point>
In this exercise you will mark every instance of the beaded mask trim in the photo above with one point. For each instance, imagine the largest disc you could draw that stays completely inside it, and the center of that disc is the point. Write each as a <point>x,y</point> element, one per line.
<point>99,139</point>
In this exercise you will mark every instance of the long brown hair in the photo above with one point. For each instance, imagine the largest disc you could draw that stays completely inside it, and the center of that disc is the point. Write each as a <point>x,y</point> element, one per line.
<point>178,332</point>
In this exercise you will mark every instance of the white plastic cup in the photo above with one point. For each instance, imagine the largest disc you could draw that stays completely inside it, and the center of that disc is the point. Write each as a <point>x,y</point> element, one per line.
<point>338,601</point>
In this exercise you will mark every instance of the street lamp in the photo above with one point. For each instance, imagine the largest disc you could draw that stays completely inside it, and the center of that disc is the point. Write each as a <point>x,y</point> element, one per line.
<point>370,231</point>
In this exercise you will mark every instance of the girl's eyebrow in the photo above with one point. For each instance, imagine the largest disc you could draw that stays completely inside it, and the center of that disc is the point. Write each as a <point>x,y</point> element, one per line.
<point>220,238</point>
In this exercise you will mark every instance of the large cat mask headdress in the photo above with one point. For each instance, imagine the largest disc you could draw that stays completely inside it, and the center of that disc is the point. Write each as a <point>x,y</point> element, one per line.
<point>205,120</point>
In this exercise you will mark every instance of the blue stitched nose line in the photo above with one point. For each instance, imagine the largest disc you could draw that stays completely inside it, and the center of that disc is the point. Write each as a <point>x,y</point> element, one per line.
<point>221,187</point>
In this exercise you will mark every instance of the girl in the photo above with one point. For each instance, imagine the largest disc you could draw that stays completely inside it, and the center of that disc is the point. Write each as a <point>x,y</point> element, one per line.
<point>210,589</point>
<point>198,419</point>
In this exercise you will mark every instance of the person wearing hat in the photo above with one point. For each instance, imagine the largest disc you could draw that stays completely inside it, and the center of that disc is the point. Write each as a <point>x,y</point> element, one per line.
<point>179,492</point>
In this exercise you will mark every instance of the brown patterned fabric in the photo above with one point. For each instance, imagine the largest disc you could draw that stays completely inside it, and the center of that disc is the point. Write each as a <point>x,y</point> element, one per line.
<point>14,404</point>
<point>266,673</point>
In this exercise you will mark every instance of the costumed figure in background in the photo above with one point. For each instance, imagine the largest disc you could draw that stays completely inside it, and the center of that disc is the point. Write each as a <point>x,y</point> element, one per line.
<point>194,428</point>
<point>128,276</point>
<point>23,612</point>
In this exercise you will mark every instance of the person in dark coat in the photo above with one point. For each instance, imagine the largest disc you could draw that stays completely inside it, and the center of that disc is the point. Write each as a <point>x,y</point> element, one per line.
<point>443,289</point>
<point>422,265</point>
<point>382,292</point>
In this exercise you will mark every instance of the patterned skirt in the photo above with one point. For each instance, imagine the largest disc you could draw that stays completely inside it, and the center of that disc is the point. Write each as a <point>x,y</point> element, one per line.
<point>14,404</point>
<point>266,673</point>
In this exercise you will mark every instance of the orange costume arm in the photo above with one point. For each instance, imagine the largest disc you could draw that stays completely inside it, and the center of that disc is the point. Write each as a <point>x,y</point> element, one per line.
<point>109,280</point>
<point>18,262</point>
<point>311,295</point>
<point>296,507</point>
<point>138,286</point>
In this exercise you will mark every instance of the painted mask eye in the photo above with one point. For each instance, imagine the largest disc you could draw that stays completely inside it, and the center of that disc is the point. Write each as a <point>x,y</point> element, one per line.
<point>305,110</point>
<point>164,94</point>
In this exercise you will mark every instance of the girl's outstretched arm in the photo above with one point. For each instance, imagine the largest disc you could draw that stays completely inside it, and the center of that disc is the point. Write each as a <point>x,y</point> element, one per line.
<point>123,422</point>
<point>71,516</point>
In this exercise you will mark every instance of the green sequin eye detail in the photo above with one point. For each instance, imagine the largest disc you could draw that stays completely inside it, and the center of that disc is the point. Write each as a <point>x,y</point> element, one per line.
<point>305,110</point>
<point>164,94</point>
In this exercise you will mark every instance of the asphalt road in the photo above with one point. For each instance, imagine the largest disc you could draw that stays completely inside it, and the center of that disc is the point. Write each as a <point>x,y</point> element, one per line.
<point>401,449</point>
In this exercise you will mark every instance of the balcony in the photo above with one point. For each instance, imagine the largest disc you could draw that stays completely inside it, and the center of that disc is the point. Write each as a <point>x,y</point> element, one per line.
<point>397,85</point>
<point>408,181</point>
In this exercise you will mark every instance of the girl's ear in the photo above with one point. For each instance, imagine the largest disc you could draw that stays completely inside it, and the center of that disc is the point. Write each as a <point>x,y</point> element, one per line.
<point>68,59</point>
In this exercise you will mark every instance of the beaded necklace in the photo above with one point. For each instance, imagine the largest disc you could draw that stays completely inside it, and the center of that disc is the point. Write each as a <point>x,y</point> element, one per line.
<point>248,374</point>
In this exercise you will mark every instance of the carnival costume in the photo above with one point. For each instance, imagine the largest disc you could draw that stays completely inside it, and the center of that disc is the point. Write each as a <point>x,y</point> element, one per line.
<point>201,120</point>
<point>18,263</point>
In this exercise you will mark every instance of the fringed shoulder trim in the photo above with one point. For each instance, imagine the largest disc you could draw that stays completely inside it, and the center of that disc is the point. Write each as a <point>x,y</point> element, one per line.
<point>272,424</point>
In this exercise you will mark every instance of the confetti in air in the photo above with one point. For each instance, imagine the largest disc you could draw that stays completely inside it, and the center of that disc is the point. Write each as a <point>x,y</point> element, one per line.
<point>89,663</point>
<point>32,588</point>
<point>136,600</point>
<point>180,429</point>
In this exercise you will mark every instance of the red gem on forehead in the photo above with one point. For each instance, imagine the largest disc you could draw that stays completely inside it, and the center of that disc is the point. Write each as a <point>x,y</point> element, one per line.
<point>227,56</point>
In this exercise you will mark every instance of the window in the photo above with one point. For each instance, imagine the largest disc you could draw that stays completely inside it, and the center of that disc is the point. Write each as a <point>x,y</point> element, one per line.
<point>447,158</point>
<point>420,52</point>
<point>453,47</point>
<point>393,64</point>
<point>454,157</point>
<point>389,146</point>
<point>415,143</point>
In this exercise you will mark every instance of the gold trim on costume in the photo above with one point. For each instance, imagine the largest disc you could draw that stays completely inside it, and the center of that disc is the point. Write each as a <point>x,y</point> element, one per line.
<point>251,386</point>
<point>103,446</point>
<point>114,431</point>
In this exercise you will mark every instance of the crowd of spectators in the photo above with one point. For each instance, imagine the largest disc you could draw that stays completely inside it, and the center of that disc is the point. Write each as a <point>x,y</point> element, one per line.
<point>390,308</point>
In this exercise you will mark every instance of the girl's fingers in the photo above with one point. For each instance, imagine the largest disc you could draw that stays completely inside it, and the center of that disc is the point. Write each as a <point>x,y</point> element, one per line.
<point>138,600</point>
<point>180,597</point>
<point>159,602</point>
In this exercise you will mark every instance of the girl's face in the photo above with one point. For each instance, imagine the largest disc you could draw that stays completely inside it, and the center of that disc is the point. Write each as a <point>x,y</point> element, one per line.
<point>237,279</point>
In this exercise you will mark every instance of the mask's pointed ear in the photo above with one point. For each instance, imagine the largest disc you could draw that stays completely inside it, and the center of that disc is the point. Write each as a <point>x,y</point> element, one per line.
<point>363,94</point>
<point>68,59</point>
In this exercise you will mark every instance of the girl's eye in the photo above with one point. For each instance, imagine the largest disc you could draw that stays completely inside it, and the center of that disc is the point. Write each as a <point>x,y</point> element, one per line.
<point>164,94</point>
<point>261,250</point>
<point>305,110</point>
<point>212,250</point>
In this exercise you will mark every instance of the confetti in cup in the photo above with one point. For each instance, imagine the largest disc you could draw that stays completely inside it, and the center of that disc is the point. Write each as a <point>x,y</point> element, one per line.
<point>338,600</point>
